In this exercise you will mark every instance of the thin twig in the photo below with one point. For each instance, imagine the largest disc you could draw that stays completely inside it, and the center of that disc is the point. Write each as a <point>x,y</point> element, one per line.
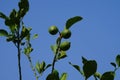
<point>32,67</point>
<point>56,53</point>
<point>19,62</point>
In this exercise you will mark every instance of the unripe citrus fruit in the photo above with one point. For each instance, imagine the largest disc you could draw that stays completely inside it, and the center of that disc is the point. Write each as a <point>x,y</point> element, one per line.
<point>53,30</point>
<point>65,45</point>
<point>66,33</point>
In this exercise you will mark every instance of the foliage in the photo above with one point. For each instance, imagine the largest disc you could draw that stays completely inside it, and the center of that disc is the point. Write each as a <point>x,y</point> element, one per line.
<point>20,36</point>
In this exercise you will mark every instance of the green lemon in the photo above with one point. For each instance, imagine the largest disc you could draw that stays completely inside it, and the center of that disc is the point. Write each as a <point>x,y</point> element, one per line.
<point>66,33</point>
<point>65,45</point>
<point>53,30</point>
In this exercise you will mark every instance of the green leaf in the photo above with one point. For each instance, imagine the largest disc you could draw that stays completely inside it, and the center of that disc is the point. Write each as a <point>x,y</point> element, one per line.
<point>64,76</point>
<point>37,67</point>
<point>72,21</point>
<point>24,7</point>
<point>3,16</point>
<point>13,14</point>
<point>11,38</point>
<point>22,43</point>
<point>49,65</point>
<point>8,22</point>
<point>35,36</point>
<point>40,67</point>
<point>11,24</point>
<point>108,75</point>
<point>3,32</point>
<point>89,68</point>
<point>113,64</point>
<point>97,74</point>
<point>118,60</point>
<point>25,32</point>
<point>14,18</point>
<point>76,67</point>
<point>84,60</point>
<point>53,76</point>
<point>53,48</point>
<point>28,50</point>
<point>62,55</point>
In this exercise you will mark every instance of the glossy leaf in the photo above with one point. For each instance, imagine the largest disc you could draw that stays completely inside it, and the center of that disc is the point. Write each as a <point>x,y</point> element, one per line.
<point>89,68</point>
<point>62,55</point>
<point>3,32</point>
<point>118,60</point>
<point>53,76</point>
<point>72,21</point>
<point>108,76</point>
<point>3,16</point>
<point>64,76</point>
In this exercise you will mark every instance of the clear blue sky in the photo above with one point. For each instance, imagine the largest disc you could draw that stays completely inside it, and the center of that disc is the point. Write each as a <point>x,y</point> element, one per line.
<point>97,36</point>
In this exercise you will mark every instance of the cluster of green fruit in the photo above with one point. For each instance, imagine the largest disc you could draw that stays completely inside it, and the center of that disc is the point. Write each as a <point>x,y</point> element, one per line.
<point>66,34</point>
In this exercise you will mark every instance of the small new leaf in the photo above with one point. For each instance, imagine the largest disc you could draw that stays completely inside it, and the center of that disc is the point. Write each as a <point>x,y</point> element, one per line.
<point>62,55</point>
<point>64,76</point>
<point>3,32</point>
<point>35,36</point>
<point>72,21</point>
<point>76,67</point>
<point>49,65</point>
<point>37,67</point>
<point>113,64</point>
<point>53,48</point>
<point>118,60</point>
